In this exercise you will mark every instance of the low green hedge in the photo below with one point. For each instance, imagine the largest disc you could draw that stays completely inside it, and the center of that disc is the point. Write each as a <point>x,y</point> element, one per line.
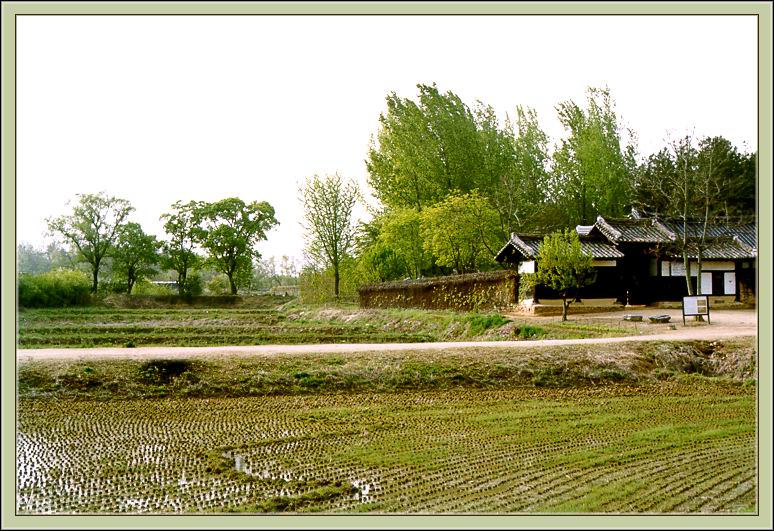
<point>55,289</point>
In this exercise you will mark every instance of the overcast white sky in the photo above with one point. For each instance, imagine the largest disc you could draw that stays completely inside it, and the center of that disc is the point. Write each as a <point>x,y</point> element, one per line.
<point>160,109</point>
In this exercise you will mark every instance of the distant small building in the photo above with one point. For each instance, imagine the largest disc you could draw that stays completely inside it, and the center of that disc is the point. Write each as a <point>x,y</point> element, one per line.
<point>171,284</point>
<point>285,291</point>
<point>639,260</point>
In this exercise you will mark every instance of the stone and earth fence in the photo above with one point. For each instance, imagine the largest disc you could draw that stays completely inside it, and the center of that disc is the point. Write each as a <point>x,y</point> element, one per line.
<point>476,291</point>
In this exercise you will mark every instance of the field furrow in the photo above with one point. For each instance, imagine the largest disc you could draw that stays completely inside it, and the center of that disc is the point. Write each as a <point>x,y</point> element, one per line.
<point>413,452</point>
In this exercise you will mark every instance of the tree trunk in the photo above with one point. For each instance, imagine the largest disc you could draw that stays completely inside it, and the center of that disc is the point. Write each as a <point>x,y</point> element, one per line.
<point>565,306</point>
<point>698,273</point>
<point>94,274</point>
<point>181,283</point>
<point>687,265</point>
<point>698,283</point>
<point>232,284</point>
<point>131,278</point>
<point>336,281</point>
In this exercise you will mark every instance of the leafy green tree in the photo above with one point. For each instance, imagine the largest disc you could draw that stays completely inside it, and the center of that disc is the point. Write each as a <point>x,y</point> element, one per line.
<point>330,232</point>
<point>228,230</point>
<point>731,178</point>
<point>375,261</point>
<point>743,184</point>
<point>31,260</point>
<point>401,233</point>
<point>92,228</point>
<point>462,232</point>
<point>179,250</point>
<point>658,169</point>
<point>522,179</point>
<point>136,255</point>
<point>425,150</point>
<point>429,149</point>
<point>379,263</point>
<point>316,283</point>
<point>593,171</point>
<point>562,266</point>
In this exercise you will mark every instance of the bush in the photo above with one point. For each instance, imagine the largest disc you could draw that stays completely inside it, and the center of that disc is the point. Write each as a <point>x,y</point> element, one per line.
<point>481,323</point>
<point>193,285</point>
<point>527,283</point>
<point>145,287</point>
<point>317,287</point>
<point>55,289</point>
<point>528,332</point>
<point>218,285</point>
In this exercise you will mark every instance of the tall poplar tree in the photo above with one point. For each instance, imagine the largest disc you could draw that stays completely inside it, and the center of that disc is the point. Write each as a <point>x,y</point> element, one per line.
<point>593,168</point>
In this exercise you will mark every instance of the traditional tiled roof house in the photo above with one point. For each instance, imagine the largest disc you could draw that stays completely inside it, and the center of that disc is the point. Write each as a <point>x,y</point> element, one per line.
<point>639,260</point>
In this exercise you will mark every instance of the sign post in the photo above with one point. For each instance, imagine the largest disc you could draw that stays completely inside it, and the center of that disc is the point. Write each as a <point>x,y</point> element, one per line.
<point>696,305</point>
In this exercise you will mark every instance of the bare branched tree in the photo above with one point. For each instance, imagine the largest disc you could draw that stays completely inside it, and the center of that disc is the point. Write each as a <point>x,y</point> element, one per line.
<point>686,182</point>
<point>330,232</point>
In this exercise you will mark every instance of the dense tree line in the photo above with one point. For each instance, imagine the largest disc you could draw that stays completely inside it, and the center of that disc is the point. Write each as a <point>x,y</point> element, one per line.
<point>211,237</point>
<point>453,181</point>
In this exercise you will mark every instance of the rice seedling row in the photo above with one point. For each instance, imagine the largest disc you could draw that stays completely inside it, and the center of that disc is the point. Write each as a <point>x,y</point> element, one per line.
<point>99,326</point>
<point>94,327</point>
<point>663,449</point>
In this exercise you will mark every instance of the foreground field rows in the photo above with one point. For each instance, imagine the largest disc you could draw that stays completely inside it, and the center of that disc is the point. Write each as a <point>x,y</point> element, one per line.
<point>667,448</point>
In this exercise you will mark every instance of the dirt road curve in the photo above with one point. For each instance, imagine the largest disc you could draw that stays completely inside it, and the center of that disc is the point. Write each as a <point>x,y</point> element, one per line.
<point>724,324</point>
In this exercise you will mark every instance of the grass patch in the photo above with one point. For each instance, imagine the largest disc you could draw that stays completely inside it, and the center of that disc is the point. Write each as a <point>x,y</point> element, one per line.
<point>481,323</point>
<point>288,323</point>
<point>626,364</point>
<point>529,332</point>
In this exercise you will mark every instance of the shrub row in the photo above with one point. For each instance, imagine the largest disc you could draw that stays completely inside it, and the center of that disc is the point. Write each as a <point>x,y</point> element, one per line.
<point>55,289</point>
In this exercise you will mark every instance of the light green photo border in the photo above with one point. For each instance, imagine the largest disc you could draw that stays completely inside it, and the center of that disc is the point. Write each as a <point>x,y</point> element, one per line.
<point>762,520</point>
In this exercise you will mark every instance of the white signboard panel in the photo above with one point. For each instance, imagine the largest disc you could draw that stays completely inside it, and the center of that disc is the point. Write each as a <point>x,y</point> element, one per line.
<point>665,268</point>
<point>696,305</point>
<point>706,283</point>
<point>603,263</point>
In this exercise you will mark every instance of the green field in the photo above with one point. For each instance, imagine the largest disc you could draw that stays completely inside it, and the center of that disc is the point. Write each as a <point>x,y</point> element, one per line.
<point>667,448</point>
<point>285,324</point>
<point>638,427</point>
<point>630,427</point>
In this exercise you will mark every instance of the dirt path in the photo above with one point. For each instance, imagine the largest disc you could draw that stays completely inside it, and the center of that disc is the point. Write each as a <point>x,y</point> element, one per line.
<point>724,324</point>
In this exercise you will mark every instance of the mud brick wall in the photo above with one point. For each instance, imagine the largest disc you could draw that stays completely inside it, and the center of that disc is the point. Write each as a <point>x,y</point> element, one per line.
<point>476,291</point>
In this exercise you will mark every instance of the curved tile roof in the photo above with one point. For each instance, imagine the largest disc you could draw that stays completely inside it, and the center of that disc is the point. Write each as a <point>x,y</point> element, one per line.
<point>528,246</point>
<point>723,242</point>
<point>634,230</point>
<point>745,233</point>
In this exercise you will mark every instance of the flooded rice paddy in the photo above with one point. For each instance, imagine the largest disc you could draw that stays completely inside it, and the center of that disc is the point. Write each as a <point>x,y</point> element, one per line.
<point>652,450</point>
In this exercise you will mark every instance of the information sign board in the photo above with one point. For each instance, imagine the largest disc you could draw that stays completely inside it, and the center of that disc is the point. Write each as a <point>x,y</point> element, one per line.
<point>696,305</point>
